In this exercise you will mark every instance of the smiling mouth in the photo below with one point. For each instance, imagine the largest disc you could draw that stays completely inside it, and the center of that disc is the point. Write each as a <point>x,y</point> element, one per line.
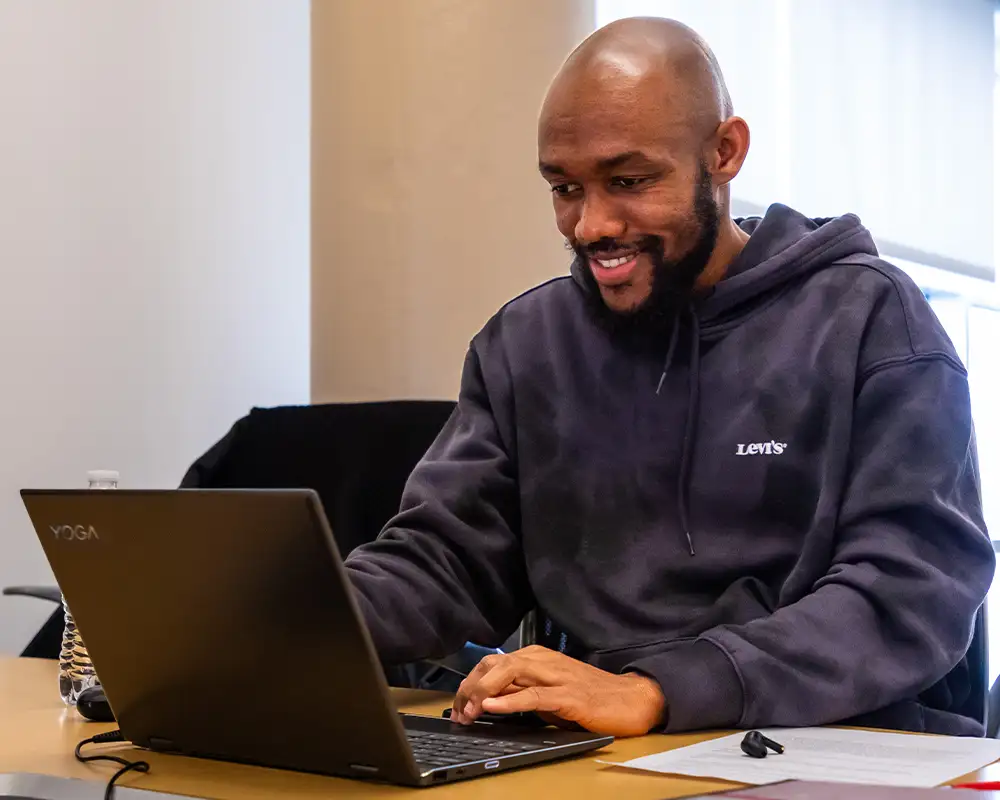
<point>614,271</point>
<point>611,263</point>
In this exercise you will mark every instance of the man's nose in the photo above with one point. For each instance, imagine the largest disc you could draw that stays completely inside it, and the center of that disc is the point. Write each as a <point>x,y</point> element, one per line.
<point>597,221</point>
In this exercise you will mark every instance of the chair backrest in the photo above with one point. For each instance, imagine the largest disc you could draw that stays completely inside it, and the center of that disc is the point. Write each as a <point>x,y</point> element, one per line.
<point>977,662</point>
<point>47,642</point>
<point>993,711</point>
<point>356,456</point>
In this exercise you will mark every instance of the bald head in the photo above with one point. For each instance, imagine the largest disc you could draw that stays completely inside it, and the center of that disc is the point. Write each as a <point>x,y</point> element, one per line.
<point>658,55</point>
<point>638,142</point>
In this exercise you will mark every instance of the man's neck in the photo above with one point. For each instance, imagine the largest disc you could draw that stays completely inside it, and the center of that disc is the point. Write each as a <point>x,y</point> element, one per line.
<point>732,239</point>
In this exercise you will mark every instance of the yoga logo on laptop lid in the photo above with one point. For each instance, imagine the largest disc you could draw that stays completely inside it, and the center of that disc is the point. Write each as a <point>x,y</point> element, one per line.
<point>74,533</point>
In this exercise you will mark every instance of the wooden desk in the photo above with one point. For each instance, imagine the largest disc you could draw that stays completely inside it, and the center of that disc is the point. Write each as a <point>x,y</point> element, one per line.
<point>38,734</point>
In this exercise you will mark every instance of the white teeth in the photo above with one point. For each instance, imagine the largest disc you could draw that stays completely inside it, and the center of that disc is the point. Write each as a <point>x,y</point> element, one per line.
<point>614,262</point>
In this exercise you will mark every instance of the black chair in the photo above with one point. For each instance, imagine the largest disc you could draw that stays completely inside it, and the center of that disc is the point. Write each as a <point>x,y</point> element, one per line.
<point>356,456</point>
<point>993,711</point>
<point>47,642</point>
<point>974,669</point>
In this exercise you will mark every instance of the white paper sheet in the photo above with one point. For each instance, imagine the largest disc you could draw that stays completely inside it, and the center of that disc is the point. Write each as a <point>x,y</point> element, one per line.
<point>830,754</point>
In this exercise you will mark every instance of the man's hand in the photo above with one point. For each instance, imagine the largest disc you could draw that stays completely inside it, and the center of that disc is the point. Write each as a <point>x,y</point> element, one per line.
<point>560,687</point>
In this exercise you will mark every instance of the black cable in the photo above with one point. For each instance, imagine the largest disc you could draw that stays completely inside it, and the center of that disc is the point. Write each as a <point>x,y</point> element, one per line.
<point>126,766</point>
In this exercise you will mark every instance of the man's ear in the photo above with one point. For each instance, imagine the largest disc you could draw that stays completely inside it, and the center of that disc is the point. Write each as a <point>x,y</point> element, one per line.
<point>728,149</point>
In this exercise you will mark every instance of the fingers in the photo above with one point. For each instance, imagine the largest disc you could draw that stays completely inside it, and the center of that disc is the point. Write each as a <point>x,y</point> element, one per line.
<point>501,675</point>
<point>462,696</point>
<point>562,688</point>
<point>468,700</point>
<point>549,699</point>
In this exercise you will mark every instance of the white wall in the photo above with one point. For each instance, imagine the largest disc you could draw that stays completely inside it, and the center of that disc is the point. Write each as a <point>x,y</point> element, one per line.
<point>154,242</point>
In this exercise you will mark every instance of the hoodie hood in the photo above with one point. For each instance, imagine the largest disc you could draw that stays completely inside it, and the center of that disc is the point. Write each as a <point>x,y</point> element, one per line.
<point>784,245</point>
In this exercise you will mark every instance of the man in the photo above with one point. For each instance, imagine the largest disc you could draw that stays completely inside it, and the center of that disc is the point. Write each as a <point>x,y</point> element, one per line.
<point>732,460</point>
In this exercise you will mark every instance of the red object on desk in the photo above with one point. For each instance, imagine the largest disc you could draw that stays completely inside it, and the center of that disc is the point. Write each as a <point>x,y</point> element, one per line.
<point>986,786</point>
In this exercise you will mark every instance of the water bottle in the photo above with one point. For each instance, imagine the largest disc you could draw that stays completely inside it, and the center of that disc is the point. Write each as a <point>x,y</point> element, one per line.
<point>76,671</point>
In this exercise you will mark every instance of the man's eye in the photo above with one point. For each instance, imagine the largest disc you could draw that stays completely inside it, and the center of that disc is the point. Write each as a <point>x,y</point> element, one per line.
<point>565,189</point>
<point>627,183</point>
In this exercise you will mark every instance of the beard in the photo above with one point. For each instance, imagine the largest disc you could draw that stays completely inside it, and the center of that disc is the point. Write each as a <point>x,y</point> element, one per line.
<point>673,283</point>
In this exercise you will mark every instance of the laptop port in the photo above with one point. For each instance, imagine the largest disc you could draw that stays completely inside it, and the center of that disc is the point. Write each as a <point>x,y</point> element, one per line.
<point>439,776</point>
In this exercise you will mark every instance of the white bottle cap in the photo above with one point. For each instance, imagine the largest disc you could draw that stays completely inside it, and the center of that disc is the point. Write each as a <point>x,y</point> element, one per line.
<point>102,476</point>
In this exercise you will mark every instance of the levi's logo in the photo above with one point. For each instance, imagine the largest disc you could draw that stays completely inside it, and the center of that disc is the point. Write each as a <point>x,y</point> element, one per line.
<point>74,533</point>
<point>761,448</point>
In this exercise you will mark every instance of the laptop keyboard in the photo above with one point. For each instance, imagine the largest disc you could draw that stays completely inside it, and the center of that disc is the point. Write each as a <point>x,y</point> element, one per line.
<point>445,749</point>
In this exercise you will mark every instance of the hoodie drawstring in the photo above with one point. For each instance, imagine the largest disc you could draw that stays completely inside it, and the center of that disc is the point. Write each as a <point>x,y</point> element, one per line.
<point>690,417</point>
<point>668,363</point>
<point>690,429</point>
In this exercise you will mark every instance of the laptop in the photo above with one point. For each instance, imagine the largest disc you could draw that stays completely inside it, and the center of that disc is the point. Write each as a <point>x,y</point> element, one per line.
<point>223,625</point>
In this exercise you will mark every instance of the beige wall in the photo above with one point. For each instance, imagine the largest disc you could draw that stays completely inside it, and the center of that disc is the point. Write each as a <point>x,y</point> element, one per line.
<point>428,212</point>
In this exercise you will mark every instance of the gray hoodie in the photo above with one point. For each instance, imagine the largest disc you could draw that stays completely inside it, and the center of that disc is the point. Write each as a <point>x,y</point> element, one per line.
<point>788,532</point>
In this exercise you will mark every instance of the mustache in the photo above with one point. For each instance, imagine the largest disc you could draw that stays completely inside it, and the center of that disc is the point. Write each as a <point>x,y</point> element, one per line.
<point>648,244</point>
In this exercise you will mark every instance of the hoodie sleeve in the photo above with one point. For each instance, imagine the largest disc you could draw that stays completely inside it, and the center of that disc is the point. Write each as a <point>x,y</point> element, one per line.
<point>894,613</point>
<point>449,567</point>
